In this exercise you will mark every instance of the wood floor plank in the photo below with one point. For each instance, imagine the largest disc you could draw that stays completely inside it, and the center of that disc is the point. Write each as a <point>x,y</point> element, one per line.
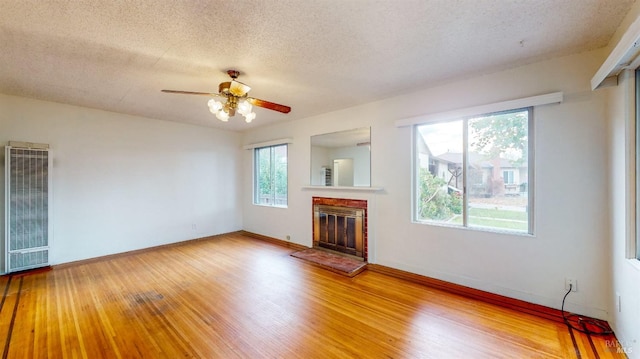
<point>235,296</point>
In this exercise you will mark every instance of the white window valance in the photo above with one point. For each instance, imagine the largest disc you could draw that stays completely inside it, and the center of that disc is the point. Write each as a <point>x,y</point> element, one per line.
<point>554,97</point>
<point>281,141</point>
<point>626,55</point>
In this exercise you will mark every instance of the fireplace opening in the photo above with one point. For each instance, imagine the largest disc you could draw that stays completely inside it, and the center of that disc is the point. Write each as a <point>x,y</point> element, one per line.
<point>340,225</point>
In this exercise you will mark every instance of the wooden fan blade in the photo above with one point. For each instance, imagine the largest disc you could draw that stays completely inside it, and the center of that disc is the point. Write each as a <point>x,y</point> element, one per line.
<point>269,105</point>
<point>191,93</point>
<point>239,89</point>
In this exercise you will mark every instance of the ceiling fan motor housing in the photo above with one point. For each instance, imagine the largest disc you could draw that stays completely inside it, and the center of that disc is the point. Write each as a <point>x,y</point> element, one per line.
<point>231,105</point>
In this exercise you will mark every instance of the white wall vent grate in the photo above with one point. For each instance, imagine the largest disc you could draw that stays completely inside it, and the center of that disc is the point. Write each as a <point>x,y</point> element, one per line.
<point>27,196</point>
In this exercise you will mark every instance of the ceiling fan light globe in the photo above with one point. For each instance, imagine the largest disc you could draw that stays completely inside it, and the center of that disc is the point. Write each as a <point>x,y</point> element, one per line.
<point>244,108</point>
<point>222,116</point>
<point>214,105</point>
<point>249,117</point>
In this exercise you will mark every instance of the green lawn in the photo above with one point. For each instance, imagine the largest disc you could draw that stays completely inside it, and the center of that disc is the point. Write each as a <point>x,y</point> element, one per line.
<point>498,224</point>
<point>496,213</point>
<point>496,219</point>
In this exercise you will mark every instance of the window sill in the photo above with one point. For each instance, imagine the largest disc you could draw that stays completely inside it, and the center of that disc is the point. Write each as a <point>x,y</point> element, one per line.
<point>340,188</point>
<point>476,229</point>
<point>634,263</point>
<point>269,206</point>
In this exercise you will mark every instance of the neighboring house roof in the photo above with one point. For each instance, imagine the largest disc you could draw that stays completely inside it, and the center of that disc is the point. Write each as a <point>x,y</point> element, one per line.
<point>476,160</point>
<point>451,157</point>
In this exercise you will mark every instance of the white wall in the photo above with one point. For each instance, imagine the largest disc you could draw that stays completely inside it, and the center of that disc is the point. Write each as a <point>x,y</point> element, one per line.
<point>361,162</point>
<point>319,160</point>
<point>324,156</point>
<point>571,185</point>
<point>122,182</point>
<point>626,272</point>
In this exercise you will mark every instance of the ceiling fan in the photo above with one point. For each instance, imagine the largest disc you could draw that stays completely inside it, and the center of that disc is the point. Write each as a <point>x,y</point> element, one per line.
<point>237,100</point>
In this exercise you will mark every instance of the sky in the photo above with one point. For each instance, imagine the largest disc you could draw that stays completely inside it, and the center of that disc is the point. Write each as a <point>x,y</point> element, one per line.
<point>446,137</point>
<point>443,137</point>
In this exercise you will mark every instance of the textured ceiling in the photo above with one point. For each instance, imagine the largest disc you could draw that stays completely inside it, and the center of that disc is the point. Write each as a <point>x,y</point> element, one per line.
<point>315,56</point>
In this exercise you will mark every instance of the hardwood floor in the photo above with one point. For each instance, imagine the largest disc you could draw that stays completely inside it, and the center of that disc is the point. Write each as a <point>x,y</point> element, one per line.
<point>234,296</point>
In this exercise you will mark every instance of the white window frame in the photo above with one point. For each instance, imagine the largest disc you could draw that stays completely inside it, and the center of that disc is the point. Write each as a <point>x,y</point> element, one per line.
<point>465,200</point>
<point>256,179</point>
<point>253,146</point>
<point>633,244</point>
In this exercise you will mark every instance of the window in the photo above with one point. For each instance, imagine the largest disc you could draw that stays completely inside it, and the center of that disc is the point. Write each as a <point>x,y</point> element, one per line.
<point>507,176</point>
<point>475,172</point>
<point>270,179</point>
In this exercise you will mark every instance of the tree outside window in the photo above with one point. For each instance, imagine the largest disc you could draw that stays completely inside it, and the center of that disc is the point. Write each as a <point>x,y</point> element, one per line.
<point>271,176</point>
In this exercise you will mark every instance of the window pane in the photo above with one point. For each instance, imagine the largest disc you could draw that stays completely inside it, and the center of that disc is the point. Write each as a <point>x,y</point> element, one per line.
<point>280,175</point>
<point>497,171</point>
<point>439,172</point>
<point>263,175</point>
<point>271,175</point>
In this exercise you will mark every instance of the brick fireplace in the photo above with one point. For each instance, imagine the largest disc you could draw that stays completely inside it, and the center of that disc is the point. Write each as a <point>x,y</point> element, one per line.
<point>340,225</point>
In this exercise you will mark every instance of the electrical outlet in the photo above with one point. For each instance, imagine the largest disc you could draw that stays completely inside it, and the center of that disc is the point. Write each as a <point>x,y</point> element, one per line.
<point>288,237</point>
<point>618,302</point>
<point>571,283</point>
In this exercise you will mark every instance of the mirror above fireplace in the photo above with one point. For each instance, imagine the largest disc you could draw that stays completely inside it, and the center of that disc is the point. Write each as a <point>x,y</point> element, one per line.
<point>341,159</point>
